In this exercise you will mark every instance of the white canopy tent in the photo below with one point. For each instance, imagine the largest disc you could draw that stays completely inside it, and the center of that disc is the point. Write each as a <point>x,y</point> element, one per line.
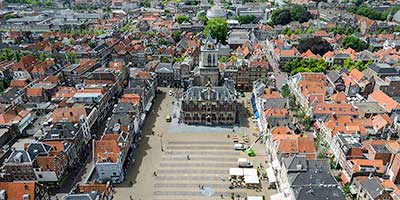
<point>251,180</point>
<point>250,172</point>
<point>271,175</point>
<point>254,198</point>
<point>279,196</point>
<point>236,172</point>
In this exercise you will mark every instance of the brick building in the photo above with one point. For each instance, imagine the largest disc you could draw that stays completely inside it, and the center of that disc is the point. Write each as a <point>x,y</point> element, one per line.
<point>209,104</point>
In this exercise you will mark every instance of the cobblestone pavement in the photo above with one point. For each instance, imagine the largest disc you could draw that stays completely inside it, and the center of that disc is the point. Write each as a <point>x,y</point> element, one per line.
<point>211,155</point>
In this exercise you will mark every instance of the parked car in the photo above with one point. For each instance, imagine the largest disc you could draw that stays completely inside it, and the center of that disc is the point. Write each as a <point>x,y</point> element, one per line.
<point>244,163</point>
<point>168,118</point>
<point>239,147</point>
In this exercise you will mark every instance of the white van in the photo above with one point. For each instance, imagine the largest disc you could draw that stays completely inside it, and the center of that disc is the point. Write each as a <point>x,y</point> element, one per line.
<point>244,163</point>
<point>239,147</point>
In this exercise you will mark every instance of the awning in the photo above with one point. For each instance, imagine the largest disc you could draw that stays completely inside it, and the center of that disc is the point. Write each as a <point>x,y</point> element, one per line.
<point>254,198</point>
<point>251,180</point>
<point>275,164</point>
<point>235,171</point>
<point>271,175</point>
<point>279,196</point>
<point>250,172</point>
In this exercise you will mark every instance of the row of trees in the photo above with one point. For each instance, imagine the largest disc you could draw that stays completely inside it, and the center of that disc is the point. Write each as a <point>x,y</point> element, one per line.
<point>305,65</point>
<point>287,31</point>
<point>247,19</point>
<point>371,13</point>
<point>284,16</point>
<point>346,31</point>
<point>82,32</point>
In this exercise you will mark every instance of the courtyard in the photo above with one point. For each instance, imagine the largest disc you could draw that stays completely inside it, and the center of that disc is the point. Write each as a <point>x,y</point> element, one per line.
<point>172,162</point>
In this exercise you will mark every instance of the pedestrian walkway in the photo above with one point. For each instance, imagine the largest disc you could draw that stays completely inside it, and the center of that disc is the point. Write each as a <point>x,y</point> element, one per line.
<point>203,176</point>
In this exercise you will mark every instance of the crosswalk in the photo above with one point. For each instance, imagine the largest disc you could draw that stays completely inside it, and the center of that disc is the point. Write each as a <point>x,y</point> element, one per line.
<point>180,178</point>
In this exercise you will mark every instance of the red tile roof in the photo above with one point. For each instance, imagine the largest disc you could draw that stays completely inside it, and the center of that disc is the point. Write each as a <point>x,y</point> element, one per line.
<point>387,102</point>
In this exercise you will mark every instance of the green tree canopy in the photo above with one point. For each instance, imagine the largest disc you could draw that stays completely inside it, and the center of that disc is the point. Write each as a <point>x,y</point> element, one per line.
<point>217,28</point>
<point>284,16</point>
<point>350,64</point>
<point>281,16</point>
<point>354,43</point>
<point>247,19</point>
<point>305,65</point>
<point>182,18</point>
<point>316,44</point>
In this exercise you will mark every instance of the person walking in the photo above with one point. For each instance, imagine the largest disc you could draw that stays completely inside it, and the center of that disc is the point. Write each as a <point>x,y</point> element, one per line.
<point>188,157</point>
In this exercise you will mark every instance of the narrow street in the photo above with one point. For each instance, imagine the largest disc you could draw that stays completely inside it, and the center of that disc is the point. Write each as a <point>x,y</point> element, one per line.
<point>280,76</point>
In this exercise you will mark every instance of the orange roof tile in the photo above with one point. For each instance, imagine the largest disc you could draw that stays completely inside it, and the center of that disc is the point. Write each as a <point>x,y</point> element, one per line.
<point>130,98</point>
<point>276,112</point>
<point>271,94</point>
<point>280,130</point>
<point>338,109</point>
<point>18,83</point>
<point>16,190</point>
<point>71,114</point>
<point>377,164</point>
<point>356,74</point>
<point>339,97</point>
<point>34,92</point>
<point>387,102</point>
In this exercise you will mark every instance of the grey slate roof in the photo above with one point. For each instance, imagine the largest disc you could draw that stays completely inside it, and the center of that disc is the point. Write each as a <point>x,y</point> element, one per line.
<point>382,68</point>
<point>38,148</point>
<point>296,163</point>
<point>276,103</point>
<point>319,193</point>
<point>18,154</point>
<point>372,186</point>
<point>164,68</point>
<point>214,93</point>
<point>313,178</point>
<point>333,75</point>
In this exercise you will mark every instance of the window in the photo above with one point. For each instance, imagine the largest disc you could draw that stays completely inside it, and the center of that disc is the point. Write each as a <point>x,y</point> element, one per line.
<point>209,59</point>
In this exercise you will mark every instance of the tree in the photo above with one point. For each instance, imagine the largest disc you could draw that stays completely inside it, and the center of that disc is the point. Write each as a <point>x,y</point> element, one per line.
<point>71,57</point>
<point>349,64</point>
<point>354,43</point>
<point>92,44</point>
<point>287,31</point>
<point>247,19</point>
<point>179,59</point>
<point>286,91</point>
<point>177,36</point>
<point>281,16</point>
<point>42,57</point>
<point>316,44</point>
<point>217,28</point>
<point>305,17</point>
<point>163,41</point>
<point>297,11</point>
<point>304,65</point>
<point>182,18</point>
